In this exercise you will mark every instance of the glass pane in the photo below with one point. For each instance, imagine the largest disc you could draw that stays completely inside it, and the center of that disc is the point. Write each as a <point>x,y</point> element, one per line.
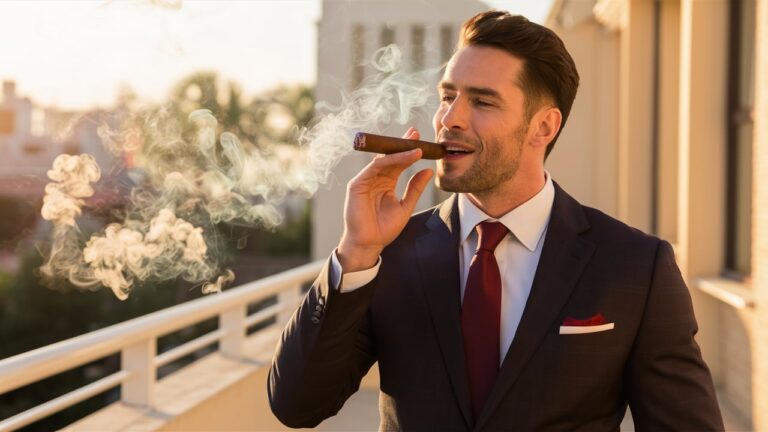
<point>747,54</point>
<point>743,218</point>
<point>741,137</point>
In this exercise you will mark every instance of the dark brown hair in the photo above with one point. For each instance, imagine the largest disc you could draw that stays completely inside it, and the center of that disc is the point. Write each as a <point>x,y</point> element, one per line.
<point>548,74</point>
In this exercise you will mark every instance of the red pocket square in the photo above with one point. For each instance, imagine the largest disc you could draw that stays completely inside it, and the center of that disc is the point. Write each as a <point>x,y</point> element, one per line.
<point>596,320</point>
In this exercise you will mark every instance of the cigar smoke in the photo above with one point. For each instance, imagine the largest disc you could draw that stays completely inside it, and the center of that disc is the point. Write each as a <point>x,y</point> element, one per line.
<point>191,185</point>
<point>391,94</point>
<point>191,181</point>
<point>72,177</point>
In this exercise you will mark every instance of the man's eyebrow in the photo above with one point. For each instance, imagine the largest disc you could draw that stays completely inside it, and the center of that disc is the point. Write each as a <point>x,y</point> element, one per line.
<point>479,91</point>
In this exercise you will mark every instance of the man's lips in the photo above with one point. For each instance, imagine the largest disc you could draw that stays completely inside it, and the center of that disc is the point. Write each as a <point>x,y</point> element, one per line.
<point>456,148</point>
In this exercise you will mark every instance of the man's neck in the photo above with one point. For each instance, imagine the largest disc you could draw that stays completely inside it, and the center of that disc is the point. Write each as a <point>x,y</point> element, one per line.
<point>501,200</point>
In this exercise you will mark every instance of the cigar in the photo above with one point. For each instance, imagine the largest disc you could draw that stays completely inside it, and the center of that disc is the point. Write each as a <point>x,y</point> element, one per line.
<point>387,145</point>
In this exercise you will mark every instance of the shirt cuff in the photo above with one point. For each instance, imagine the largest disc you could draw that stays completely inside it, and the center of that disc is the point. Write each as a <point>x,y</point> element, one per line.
<point>351,281</point>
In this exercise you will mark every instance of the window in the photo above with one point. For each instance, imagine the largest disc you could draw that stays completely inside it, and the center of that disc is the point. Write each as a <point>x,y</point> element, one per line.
<point>6,122</point>
<point>71,148</point>
<point>741,102</point>
<point>417,42</point>
<point>358,55</point>
<point>446,43</point>
<point>33,148</point>
<point>387,35</point>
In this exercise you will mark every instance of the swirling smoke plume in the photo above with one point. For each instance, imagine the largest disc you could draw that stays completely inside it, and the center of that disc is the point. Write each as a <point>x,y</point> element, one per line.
<point>191,183</point>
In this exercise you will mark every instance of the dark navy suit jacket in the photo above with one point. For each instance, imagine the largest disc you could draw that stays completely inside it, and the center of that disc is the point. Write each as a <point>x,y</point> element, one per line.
<point>407,319</point>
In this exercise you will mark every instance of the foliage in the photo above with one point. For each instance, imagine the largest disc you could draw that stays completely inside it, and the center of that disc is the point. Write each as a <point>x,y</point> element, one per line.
<point>268,118</point>
<point>18,216</point>
<point>291,238</point>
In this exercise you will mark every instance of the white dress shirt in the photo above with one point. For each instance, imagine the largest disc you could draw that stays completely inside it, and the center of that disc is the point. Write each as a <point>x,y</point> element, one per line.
<point>518,255</point>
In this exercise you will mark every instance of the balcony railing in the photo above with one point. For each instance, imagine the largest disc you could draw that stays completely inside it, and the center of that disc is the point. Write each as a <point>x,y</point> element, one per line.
<point>136,341</point>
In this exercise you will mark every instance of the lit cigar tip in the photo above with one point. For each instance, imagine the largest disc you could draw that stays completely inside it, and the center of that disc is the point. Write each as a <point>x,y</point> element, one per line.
<point>359,141</point>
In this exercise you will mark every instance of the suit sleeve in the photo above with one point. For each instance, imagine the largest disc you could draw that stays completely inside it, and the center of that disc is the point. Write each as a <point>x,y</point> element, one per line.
<point>323,354</point>
<point>669,387</point>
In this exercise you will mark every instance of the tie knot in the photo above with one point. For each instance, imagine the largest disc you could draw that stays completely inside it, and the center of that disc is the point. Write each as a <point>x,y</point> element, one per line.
<point>490,235</point>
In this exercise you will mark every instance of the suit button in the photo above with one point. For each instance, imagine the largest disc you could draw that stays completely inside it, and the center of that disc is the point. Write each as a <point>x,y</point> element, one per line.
<point>319,308</point>
<point>315,320</point>
<point>317,314</point>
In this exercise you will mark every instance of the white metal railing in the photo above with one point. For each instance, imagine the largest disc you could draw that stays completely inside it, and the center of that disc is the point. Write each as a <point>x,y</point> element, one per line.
<point>136,341</point>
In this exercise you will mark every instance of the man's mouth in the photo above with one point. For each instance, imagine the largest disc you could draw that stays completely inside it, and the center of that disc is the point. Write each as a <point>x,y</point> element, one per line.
<point>455,149</point>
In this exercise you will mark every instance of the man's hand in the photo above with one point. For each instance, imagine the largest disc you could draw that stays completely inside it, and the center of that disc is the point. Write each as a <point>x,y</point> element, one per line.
<point>373,215</point>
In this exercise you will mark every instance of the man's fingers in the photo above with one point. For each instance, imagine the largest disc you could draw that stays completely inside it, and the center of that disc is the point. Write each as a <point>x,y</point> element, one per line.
<point>412,133</point>
<point>415,188</point>
<point>393,164</point>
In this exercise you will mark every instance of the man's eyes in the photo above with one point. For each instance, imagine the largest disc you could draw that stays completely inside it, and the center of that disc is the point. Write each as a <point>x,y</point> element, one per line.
<point>449,98</point>
<point>483,103</point>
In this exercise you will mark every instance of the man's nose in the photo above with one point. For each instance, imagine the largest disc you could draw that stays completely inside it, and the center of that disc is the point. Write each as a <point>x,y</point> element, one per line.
<point>456,116</point>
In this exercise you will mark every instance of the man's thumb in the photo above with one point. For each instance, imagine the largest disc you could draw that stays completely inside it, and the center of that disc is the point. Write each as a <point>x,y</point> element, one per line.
<point>415,188</point>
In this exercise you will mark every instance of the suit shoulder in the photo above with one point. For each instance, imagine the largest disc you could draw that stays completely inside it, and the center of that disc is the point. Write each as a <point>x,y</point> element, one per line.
<point>632,254</point>
<point>608,228</point>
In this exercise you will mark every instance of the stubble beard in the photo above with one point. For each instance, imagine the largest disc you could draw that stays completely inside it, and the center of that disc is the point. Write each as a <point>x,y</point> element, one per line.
<point>489,169</point>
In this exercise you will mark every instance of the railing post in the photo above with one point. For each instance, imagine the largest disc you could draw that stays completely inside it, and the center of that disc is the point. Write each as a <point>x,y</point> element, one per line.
<point>232,321</point>
<point>288,299</point>
<point>139,360</point>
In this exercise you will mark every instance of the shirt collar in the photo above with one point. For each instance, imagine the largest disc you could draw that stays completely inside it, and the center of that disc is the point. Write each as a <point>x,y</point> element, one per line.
<point>527,221</point>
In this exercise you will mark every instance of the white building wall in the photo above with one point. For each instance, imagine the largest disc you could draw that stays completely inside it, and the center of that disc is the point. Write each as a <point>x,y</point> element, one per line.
<point>585,158</point>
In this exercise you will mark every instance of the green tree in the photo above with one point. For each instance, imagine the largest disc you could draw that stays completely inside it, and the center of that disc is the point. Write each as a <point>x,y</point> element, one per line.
<point>269,117</point>
<point>296,105</point>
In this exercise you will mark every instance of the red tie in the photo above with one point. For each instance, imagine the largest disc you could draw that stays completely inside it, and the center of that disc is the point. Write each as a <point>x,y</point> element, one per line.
<point>481,315</point>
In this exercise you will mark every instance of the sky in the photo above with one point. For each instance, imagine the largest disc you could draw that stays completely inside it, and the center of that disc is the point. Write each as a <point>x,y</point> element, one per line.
<point>76,54</point>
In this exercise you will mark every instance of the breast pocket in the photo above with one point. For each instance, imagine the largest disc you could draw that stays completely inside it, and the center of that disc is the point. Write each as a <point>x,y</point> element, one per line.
<point>584,357</point>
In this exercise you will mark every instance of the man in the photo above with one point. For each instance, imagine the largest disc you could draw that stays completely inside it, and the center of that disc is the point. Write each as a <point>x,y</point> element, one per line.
<point>510,306</point>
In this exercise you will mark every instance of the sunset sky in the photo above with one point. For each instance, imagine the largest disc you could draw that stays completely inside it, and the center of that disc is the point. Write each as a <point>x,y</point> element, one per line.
<point>75,54</point>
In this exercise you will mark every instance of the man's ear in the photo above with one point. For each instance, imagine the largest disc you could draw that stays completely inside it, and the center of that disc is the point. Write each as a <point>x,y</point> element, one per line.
<point>546,123</point>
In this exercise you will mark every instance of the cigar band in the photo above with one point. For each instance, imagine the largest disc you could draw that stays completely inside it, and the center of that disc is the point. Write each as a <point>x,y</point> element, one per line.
<point>359,142</point>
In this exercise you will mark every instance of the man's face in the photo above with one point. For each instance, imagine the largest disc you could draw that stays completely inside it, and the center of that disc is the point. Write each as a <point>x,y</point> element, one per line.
<point>481,111</point>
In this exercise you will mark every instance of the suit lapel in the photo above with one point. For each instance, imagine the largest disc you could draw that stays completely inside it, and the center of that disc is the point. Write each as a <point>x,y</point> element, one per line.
<point>563,258</point>
<point>438,258</point>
